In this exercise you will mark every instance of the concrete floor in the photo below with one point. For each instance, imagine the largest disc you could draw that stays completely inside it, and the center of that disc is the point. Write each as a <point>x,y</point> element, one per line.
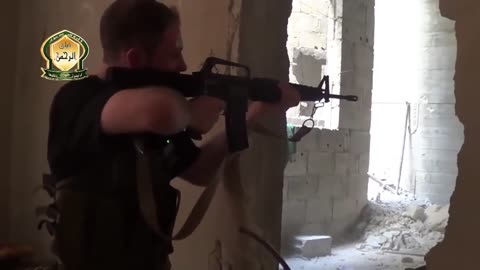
<point>347,257</point>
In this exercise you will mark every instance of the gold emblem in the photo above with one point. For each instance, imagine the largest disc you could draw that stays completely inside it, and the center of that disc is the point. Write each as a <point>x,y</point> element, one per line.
<point>64,53</point>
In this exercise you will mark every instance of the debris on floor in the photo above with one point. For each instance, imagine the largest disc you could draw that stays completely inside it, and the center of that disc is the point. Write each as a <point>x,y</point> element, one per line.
<point>314,245</point>
<point>405,229</point>
<point>395,232</point>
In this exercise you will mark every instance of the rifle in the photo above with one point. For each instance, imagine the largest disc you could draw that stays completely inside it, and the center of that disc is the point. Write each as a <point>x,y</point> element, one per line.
<point>236,91</point>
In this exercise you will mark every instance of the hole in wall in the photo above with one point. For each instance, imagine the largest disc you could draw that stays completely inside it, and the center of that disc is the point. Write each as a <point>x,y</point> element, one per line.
<point>397,176</point>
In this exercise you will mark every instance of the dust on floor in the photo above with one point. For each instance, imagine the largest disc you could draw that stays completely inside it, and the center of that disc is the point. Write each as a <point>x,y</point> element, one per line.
<point>394,232</point>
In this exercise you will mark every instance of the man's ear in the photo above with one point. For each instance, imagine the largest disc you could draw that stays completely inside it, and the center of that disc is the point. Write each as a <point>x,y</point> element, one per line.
<point>136,58</point>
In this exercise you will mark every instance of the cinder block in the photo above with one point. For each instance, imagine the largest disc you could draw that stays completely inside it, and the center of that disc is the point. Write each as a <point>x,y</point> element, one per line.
<point>315,245</point>
<point>437,161</point>
<point>294,212</point>
<point>363,58</point>
<point>319,210</point>
<point>364,163</point>
<point>302,22</point>
<point>320,163</point>
<point>297,165</point>
<point>325,185</point>
<point>359,142</point>
<point>309,142</point>
<point>363,78</point>
<point>342,163</point>
<point>328,140</point>
<point>358,186</point>
<point>302,187</point>
<point>318,8</point>
<point>345,210</point>
<point>355,115</point>
<point>340,188</point>
<point>321,228</point>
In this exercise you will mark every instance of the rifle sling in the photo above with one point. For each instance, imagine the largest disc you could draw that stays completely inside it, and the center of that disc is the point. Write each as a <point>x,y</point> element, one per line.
<point>148,206</point>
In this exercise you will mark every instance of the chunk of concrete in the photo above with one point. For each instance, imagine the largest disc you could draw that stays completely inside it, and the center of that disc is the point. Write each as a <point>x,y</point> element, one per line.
<point>437,217</point>
<point>416,212</point>
<point>314,245</point>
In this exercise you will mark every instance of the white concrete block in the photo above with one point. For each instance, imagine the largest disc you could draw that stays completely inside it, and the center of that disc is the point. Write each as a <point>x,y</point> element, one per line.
<point>315,7</point>
<point>320,163</point>
<point>315,245</point>
<point>438,161</point>
<point>297,165</point>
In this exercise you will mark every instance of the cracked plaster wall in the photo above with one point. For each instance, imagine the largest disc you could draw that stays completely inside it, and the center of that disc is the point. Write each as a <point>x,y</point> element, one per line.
<point>326,178</point>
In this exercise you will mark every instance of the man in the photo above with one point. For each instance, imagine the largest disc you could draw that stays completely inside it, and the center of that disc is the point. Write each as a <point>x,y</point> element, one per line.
<point>90,143</point>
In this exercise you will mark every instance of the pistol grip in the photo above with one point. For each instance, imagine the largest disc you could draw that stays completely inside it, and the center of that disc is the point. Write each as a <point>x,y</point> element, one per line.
<point>235,119</point>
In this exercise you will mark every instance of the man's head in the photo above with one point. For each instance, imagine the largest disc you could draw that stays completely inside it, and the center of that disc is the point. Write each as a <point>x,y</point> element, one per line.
<point>142,33</point>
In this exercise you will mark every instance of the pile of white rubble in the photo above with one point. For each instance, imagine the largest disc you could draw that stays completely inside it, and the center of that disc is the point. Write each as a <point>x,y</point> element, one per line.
<point>405,228</point>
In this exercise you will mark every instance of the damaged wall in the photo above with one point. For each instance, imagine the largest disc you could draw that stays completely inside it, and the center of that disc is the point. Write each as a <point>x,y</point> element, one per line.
<point>459,250</point>
<point>326,178</point>
<point>414,65</point>
<point>308,30</point>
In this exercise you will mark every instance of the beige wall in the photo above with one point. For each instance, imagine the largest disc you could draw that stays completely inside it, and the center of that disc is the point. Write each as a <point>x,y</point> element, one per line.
<point>251,196</point>
<point>203,35</point>
<point>460,250</point>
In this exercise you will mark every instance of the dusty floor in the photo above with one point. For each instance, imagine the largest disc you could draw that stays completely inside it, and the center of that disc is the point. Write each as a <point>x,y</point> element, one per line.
<point>347,257</point>
<point>394,233</point>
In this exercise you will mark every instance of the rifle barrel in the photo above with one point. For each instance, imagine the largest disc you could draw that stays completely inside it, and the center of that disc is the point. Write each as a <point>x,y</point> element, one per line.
<point>308,93</point>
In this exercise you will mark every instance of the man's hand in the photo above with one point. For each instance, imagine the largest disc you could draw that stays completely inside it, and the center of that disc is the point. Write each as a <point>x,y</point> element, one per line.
<point>290,98</point>
<point>205,112</point>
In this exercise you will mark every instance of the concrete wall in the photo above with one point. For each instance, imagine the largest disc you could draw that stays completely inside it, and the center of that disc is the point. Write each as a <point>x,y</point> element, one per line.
<point>314,47</point>
<point>415,63</point>
<point>8,15</point>
<point>248,198</point>
<point>326,177</point>
<point>459,250</point>
<point>308,28</point>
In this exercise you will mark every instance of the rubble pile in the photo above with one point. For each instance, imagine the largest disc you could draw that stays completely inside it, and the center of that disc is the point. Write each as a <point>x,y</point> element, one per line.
<point>403,228</point>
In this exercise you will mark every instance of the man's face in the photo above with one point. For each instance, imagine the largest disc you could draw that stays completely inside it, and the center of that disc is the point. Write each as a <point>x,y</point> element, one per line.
<point>168,55</point>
